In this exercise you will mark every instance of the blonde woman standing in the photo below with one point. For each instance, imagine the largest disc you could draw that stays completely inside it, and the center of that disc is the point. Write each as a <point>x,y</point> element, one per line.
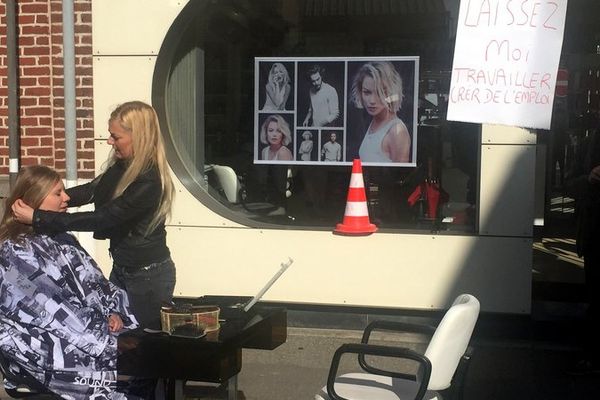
<point>306,146</point>
<point>132,201</point>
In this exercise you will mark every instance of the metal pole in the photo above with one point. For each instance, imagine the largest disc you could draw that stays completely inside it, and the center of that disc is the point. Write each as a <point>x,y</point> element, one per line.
<point>14,149</point>
<point>69,85</point>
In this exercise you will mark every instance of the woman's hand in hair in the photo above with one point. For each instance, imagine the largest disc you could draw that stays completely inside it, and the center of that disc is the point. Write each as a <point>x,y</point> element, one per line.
<point>22,212</point>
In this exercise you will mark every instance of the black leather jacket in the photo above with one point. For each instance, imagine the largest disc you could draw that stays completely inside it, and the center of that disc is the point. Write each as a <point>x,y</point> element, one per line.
<point>124,220</point>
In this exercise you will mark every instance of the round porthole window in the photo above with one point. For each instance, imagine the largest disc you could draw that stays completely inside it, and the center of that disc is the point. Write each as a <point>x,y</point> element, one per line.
<point>238,95</point>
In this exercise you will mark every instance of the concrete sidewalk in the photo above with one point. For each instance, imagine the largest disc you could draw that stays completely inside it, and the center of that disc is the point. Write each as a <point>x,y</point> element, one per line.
<point>500,369</point>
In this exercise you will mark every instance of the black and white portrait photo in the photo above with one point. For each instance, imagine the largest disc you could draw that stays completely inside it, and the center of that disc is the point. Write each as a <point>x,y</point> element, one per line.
<point>307,145</point>
<point>276,91</point>
<point>320,94</point>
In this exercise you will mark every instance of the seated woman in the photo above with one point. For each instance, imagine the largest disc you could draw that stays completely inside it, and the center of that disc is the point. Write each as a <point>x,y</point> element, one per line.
<point>59,316</point>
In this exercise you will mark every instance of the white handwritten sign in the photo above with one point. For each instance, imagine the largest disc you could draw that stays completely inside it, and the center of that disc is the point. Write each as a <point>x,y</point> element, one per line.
<point>505,61</point>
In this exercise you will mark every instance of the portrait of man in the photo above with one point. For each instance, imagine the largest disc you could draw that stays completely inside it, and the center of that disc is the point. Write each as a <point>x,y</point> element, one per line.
<point>323,97</point>
<point>331,151</point>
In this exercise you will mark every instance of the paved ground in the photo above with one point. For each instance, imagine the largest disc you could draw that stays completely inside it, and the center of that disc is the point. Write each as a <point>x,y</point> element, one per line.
<point>499,370</point>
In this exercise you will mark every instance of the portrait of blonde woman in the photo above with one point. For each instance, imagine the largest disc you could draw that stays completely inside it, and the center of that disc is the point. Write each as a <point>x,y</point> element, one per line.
<point>275,133</point>
<point>306,146</point>
<point>277,88</point>
<point>377,89</point>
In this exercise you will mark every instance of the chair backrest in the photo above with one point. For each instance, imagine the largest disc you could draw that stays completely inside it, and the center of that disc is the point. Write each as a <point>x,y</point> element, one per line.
<point>229,182</point>
<point>450,340</point>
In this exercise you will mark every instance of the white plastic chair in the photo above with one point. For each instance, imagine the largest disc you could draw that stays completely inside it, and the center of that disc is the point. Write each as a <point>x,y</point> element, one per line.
<point>229,182</point>
<point>439,374</point>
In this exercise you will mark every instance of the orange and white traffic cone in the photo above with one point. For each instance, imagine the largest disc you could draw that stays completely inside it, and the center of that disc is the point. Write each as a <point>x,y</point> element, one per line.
<point>356,217</point>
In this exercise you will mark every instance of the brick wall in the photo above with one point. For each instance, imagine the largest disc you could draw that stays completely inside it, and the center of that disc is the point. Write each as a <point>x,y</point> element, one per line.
<point>41,101</point>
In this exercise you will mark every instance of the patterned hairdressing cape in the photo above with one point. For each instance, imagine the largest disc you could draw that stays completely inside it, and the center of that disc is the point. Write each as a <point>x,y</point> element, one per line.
<point>54,308</point>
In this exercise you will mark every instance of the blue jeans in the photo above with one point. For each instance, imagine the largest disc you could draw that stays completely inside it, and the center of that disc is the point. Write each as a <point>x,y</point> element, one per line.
<point>148,288</point>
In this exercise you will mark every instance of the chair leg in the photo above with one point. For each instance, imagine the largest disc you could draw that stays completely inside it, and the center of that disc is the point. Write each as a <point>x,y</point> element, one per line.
<point>232,388</point>
<point>456,390</point>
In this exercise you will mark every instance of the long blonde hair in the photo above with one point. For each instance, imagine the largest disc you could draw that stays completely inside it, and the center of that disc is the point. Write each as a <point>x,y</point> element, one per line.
<point>32,186</point>
<point>141,121</point>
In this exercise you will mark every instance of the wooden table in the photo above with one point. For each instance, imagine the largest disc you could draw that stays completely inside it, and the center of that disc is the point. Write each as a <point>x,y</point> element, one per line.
<point>216,357</point>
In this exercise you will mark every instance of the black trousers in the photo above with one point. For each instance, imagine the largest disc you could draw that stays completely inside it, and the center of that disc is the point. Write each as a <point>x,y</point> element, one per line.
<point>148,289</point>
